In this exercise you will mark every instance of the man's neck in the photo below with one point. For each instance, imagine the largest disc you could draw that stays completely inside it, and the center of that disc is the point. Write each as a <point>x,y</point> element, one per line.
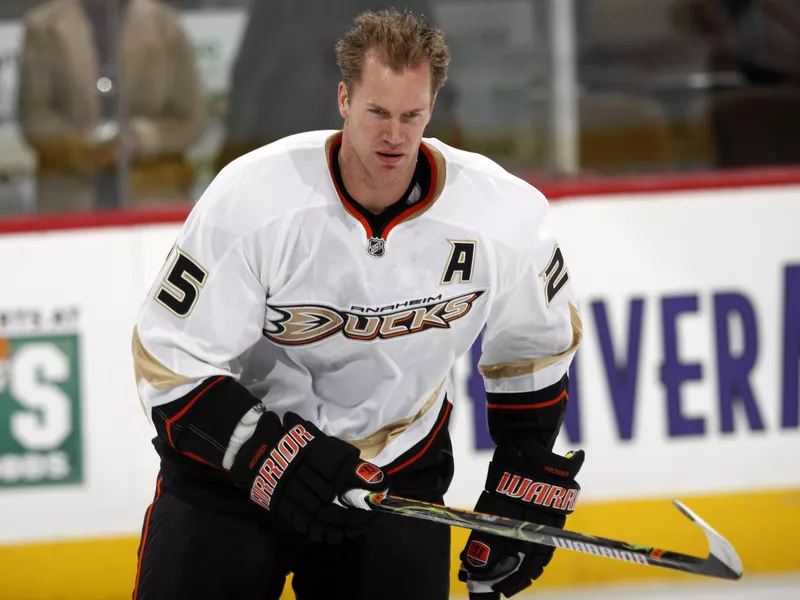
<point>360,187</point>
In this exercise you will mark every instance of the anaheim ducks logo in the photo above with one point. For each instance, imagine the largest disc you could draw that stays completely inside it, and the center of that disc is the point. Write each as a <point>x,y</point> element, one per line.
<point>306,324</point>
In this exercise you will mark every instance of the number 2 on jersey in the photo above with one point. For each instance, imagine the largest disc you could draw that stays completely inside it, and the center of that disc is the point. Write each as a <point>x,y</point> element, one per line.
<point>555,275</point>
<point>178,293</point>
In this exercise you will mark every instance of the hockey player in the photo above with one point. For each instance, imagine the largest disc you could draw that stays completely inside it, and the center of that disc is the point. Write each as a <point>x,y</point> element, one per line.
<point>298,340</point>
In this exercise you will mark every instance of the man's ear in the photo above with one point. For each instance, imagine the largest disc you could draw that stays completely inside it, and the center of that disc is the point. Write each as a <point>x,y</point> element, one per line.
<point>344,105</point>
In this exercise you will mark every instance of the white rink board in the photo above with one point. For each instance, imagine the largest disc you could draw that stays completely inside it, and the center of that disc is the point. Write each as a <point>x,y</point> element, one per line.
<point>94,272</point>
<point>701,247</point>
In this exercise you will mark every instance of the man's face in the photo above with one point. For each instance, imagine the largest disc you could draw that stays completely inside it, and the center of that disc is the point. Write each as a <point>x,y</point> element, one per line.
<point>385,115</point>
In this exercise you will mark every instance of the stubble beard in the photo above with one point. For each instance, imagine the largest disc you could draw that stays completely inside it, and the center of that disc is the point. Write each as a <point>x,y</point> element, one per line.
<point>378,177</point>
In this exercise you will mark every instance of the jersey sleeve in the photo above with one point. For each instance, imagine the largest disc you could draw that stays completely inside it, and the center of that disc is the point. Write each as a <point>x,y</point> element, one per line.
<point>205,309</point>
<point>532,332</point>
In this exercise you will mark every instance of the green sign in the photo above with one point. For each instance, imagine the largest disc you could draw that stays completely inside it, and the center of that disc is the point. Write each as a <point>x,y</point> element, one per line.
<point>40,420</point>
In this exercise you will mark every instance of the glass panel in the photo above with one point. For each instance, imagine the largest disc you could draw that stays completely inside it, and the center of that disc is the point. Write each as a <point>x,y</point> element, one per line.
<point>687,84</point>
<point>499,77</point>
<point>108,102</point>
<point>664,86</point>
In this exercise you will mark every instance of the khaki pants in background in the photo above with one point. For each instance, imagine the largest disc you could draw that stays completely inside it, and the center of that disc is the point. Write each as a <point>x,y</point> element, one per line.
<point>166,180</point>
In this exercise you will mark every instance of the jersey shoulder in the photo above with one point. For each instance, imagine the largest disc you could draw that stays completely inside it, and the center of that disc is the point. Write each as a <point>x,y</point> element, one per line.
<point>497,202</point>
<point>283,178</point>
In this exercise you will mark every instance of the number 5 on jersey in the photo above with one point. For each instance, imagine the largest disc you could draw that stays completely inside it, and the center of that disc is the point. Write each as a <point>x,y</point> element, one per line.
<point>178,293</point>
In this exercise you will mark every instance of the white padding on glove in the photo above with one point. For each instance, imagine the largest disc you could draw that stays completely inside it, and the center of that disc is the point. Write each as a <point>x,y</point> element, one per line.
<point>484,586</point>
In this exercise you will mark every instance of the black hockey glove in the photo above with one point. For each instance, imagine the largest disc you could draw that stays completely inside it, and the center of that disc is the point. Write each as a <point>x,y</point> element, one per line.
<point>529,483</point>
<point>296,472</point>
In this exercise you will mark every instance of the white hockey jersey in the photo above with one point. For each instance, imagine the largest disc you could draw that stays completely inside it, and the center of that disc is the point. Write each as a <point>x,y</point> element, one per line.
<point>278,282</point>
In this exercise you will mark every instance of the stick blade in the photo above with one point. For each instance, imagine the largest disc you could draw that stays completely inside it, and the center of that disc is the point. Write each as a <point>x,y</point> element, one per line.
<point>722,554</point>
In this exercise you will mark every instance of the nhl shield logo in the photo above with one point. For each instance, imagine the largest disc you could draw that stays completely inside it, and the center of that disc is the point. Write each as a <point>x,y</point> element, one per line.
<point>376,247</point>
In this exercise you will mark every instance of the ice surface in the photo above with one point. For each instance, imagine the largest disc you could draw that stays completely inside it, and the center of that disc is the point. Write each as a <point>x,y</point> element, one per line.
<point>778,587</point>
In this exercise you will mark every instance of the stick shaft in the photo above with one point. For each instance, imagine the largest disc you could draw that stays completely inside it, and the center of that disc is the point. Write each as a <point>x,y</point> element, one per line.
<point>552,536</point>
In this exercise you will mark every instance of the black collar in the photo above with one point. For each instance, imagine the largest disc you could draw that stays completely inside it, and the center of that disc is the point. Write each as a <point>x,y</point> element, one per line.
<point>419,187</point>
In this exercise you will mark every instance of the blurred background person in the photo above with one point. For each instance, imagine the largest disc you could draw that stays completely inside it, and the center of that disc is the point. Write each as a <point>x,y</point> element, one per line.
<point>757,42</point>
<point>285,73</point>
<point>759,39</point>
<point>109,99</point>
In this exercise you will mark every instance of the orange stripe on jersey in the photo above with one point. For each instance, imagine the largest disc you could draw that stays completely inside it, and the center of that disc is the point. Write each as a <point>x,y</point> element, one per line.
<point>202,460</point>
<point>144,537</point>
<point>348,206</point>
<point>419,206</point>
<point>560,397</point>
<point>430,441</point>
<point>437,173</point>
<point>187,407</point>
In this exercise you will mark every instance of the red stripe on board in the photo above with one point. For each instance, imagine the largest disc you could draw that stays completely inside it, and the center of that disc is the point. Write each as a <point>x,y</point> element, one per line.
<point>95,219</point>
<point>556,189</point>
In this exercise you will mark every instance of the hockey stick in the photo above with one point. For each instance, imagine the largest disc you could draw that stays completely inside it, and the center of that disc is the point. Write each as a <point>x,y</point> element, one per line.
<point>722,562</point>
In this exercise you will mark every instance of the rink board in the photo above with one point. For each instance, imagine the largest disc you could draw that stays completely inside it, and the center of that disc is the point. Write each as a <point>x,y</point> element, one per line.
<point>686,386</point>
<point>759,525</point>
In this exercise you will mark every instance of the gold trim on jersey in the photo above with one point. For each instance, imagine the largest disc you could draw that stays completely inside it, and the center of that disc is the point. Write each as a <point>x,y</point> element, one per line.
<point>533,365</point>
<point>373,444</point>
<point>146,367</point>
<point>441,175</point>
<point>333,139</point>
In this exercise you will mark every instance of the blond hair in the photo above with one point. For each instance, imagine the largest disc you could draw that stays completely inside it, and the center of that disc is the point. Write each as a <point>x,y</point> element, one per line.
<point>402,40</point>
